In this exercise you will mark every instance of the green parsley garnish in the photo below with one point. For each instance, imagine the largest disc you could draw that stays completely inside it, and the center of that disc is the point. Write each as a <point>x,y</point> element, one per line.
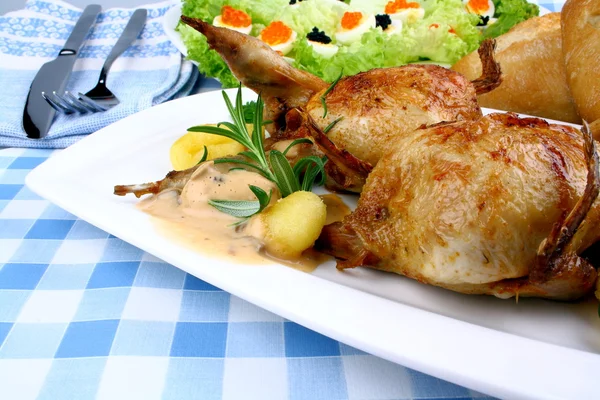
<point>273,165</point>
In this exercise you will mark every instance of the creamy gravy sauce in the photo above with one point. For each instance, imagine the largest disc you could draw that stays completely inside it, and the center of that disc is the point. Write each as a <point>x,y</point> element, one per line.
<point>191,221</point>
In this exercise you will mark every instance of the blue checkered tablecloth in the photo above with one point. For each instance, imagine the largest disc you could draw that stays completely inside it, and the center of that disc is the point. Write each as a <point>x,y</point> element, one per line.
<point>85,315</point>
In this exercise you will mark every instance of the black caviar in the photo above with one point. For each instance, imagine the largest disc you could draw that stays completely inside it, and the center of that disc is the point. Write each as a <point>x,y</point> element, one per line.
<point>383,20</point>
<point>483,21</point>
<point>318,36</point>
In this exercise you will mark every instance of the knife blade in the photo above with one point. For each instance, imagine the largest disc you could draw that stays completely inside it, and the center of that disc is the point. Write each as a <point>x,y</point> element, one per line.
<point>53,76</point>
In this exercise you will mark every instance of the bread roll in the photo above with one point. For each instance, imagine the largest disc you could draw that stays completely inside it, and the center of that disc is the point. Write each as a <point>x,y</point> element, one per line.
<point>581,47</point>
<point>534,77</point>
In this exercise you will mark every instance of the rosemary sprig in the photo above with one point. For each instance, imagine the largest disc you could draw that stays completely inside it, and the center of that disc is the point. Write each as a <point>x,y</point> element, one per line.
<point>329,89</point>
<point>274,166</point>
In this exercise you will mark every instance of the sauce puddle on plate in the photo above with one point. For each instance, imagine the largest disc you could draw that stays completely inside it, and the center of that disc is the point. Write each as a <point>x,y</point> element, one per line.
<point>191,221</point>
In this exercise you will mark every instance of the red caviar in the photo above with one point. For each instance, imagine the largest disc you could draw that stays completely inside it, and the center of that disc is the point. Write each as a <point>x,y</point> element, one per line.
<point>351,20</point>
<point>276,33</point>
<point>435,26</point>
<point>478,6</point>
<point>393,7</point>
<point>237,18</point>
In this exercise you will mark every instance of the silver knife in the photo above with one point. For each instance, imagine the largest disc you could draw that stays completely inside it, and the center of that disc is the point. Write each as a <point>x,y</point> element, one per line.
<point>53,76</point>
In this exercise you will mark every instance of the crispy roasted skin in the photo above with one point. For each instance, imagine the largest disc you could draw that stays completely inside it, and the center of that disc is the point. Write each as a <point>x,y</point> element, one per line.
<point>380,106</point>
<point>534,76</point>
<point>471,206</point>
<point>581,46</point>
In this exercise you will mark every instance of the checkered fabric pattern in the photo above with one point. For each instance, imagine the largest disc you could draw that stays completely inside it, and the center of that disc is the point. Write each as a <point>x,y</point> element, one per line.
<point>85,315</point>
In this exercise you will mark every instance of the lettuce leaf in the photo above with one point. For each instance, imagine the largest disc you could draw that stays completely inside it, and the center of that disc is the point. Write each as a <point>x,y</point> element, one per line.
<point>262,12</point>
<point>206,10</point>
<point>375,50</point>
<point>446,34</point>
<point>510,13</point>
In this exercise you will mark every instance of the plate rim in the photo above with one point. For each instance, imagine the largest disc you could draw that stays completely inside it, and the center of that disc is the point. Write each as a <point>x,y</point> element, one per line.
<point>539,373</point>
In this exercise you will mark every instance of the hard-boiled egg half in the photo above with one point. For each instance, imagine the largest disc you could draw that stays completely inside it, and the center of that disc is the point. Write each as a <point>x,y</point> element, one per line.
<point>321,43</point>
<point>388,25</point>
<point>234,19</point>
<point>485,8</point>
<point>407,12</point>
<point>353,25</point>
<point>279,37</point>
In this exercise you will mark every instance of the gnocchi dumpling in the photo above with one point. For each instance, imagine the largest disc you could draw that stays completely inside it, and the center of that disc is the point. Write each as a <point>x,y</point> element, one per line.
<point>187,151</point>
<point>293,224</point>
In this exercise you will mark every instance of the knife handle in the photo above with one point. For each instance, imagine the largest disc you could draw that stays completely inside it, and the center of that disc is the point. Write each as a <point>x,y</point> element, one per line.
<point>82,27</point>
<point>130,33</point>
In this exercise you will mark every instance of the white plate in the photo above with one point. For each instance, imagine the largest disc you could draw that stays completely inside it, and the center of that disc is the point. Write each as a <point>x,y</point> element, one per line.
<point>533,349</point>
<point>171,19</point>
<point>169,23</point>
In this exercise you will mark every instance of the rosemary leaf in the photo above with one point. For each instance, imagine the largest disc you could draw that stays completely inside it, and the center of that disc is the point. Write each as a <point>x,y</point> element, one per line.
<point>220,132</point>
<point>284,175</point>
<point>232,111</point>
<point>232,127</point>
<point>239,111</point>
<point>236,208</point>
<point>263,198</point>
<point>250,155</point>
<point>296,142</point>
<point>310,174</point>
<point>329,89</point>
<point>244,208</point>
<point>332,124</point>
<point>204,156</point>
<point>305,166</point>
<point>257,124</point>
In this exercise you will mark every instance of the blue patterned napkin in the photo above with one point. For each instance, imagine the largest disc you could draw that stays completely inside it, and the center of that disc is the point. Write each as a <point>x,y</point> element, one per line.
<point>150,72</point>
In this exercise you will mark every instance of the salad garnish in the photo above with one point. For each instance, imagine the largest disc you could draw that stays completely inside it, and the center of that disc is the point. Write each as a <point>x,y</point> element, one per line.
<point>365,47</point>
<point>273,165</point>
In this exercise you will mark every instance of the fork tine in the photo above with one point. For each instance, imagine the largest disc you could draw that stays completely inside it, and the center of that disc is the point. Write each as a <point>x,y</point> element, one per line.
<point>66,104</point>
<point>52,103</point>
<point>55,102</point>
<point>76,103</point>
<point>91,103</point>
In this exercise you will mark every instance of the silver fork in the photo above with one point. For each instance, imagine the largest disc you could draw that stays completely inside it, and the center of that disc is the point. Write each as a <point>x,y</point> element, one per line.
<point>100,98</point>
